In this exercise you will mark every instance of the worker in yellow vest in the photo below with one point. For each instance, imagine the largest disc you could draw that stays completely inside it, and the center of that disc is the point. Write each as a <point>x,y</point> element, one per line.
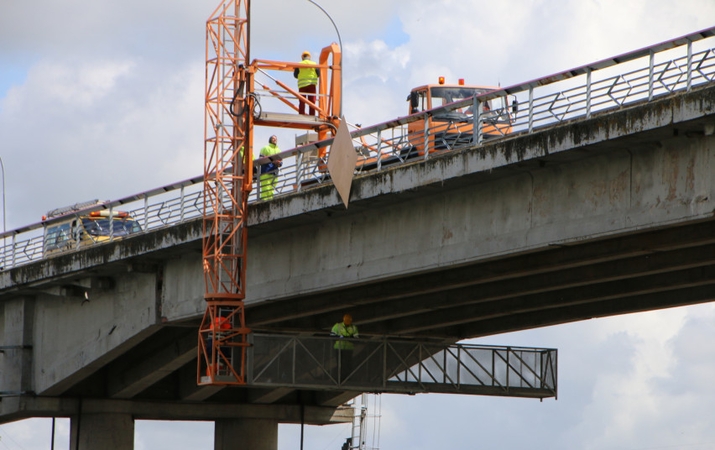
<point>307,82</point>
<point>269,172</point>
<point>344,331</point>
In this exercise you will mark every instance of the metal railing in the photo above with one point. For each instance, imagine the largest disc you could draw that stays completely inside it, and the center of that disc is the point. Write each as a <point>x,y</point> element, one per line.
<point>390,365</point>
<point>673,66</point>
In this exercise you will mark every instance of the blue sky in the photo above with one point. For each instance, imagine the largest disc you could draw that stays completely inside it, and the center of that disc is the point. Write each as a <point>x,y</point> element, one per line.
<point>102,99</point>
<point>11,76</point>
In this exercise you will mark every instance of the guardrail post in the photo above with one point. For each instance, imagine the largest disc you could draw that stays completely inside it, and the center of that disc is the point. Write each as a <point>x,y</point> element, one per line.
<point>111,223</point>
<point>298,170</point>
<point>478,121</point>
<point>379,149</point>
<point>181,205</point>
<point>426,136</point>
<point>77,232</point>
<point>531,108</point>
<point>12,250</point>
<point>651,74</point>
<point>690,65</point>
<point>146,212</point>
<point>588,93</point>
<point>475,121</point>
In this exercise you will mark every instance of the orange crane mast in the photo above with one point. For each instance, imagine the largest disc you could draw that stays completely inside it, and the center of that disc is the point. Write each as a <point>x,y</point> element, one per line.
<point>232,110</point>
<point>228,172</point>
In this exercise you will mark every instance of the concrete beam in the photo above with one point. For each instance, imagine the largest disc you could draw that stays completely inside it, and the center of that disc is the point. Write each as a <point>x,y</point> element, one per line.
<point>94,331</point>
<point>128,383</point>
<point>16,408</point>
<point>335,398</point>
<point>266,396</point>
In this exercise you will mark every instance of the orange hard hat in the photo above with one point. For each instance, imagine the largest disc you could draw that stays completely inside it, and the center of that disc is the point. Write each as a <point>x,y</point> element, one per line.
<point>305,53</point>
<point>222,323</point>
<point>347,319</point>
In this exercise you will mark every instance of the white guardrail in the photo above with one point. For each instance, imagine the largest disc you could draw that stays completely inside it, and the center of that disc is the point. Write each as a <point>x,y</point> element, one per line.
<point>665,68</point>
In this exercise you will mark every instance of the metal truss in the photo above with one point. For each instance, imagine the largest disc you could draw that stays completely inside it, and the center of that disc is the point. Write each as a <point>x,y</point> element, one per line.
<point>401,366</point>
<point>227,183</point>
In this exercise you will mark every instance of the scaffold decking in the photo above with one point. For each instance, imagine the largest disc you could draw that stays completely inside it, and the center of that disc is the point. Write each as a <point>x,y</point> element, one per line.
<point>401,366</point>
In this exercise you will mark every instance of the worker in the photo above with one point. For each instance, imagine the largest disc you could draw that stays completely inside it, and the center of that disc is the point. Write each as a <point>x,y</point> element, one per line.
<point>307,82</point>
<point>269,172</point>
<point>220,326</point>
<point>344,331</point>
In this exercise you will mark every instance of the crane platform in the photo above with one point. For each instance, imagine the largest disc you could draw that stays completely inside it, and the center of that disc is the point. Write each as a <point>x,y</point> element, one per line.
<point>276,119</point>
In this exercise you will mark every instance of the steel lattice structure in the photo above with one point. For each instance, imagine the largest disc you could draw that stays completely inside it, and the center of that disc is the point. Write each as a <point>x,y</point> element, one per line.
<point>227,183</point>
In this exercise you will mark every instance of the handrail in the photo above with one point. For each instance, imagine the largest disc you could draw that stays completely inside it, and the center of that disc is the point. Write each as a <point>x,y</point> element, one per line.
<point>578,93</point>
<point>398,365</point>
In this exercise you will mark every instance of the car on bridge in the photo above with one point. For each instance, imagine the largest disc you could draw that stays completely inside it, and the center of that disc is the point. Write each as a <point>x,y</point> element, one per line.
<point>80,230</point>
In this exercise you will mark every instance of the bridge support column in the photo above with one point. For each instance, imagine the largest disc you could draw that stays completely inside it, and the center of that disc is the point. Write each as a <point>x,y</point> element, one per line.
<point>16,341</point>
<point>246,434</point>
<point>102,430</point>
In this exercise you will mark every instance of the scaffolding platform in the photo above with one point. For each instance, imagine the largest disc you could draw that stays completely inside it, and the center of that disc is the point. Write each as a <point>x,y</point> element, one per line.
<point>401,366</point>
<point>275,119</point>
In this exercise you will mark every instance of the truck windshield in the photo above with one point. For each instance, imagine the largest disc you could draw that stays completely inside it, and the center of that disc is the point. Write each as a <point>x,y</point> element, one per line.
<point>441,95</point>
<point>100,227</point>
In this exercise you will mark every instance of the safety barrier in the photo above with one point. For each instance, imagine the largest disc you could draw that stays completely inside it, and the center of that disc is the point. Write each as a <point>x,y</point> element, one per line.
<point>673,66</point>
<point>391,365</point>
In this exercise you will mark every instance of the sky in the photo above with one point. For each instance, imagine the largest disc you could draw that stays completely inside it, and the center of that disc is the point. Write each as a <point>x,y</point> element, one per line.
<point>102,99</point>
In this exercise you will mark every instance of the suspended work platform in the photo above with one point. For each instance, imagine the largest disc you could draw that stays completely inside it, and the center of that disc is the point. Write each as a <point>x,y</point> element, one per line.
<point>400,366</point>
<point>275,119</point>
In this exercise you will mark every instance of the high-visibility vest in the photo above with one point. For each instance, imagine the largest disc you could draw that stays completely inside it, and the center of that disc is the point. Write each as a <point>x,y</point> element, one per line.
<point>269,168</point>
<point>307,76</point>
<point>340,329</point>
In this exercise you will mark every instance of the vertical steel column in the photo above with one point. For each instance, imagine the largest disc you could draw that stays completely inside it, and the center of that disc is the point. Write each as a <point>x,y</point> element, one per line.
<point>228,125</point>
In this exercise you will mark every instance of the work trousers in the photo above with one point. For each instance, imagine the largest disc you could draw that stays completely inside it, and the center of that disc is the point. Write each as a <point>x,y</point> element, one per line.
<point>310,89</point>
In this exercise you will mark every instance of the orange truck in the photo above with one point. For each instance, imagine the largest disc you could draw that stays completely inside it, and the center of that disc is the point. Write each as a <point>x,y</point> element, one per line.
<point>442,130</point>
<point>455,128</point>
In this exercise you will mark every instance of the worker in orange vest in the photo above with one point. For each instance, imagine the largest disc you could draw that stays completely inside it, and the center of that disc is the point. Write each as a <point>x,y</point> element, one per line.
<point>219,327</point>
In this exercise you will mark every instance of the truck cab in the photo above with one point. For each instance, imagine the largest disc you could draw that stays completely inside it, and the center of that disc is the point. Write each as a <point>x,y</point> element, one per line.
<point>453,128</point>
<point>83,230</point>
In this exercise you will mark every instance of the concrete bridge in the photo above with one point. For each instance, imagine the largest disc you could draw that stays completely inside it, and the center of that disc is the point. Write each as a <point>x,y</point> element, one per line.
<point>606,215</point>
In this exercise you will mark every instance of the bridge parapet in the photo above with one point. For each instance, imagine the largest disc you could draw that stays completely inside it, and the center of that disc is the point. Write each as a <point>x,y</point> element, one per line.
<point>401,366</point>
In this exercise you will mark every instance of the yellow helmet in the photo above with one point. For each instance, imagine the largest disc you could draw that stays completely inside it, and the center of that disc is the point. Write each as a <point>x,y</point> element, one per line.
<point>304,54</point>
<point>347,319</point>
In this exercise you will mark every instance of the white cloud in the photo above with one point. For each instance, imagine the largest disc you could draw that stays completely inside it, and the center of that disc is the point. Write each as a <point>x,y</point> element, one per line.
<point>111,104</point>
